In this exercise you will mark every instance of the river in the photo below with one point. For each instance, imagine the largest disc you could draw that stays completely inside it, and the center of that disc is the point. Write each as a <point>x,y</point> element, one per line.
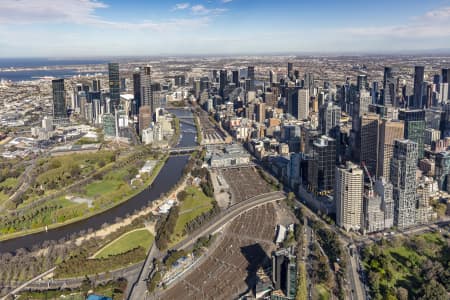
<point>169,175</point>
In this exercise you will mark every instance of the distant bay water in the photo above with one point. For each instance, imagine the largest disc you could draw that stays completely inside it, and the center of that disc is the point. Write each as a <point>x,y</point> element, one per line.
<point>35,63</point>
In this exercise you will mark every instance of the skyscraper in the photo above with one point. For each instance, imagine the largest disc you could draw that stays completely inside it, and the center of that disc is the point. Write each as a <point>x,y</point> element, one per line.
<point>223,80</point>
<point>329,117</point>
<point>389,88</point>
<point>303,104</point>
<point>96,86</point>
<point>235,75</point>
<point>251,72</point>
<point>284,273</point>
<point>445,75</point>
<point>114,86</point>
<point>361,82</point>
<point>384,188</point>
<point>146,93</point>
<point>414,126</point>
<point>59,100</point>
<point>419,72</point>
<point>389,132</point>
<point>260,112</point>
<point>348,194</point>
<point>369,140</point>
<point>403,178</point>
<point>290,70</point>
<point>322,164</point>
<point>272,76</point>
<point>145,118</point>
<point>137,92</point>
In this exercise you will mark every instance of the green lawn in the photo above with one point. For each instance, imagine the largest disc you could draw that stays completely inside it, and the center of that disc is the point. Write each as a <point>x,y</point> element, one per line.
<point>322,292</point>
<point>97,188</point>
<point>141,237</point>
<point>195,204</point>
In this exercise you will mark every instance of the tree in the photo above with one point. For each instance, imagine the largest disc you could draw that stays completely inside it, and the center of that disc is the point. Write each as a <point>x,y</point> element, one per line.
<point>433,290</point>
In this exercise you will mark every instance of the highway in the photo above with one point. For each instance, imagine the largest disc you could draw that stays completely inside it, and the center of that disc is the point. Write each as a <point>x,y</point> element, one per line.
<point>139,290</point>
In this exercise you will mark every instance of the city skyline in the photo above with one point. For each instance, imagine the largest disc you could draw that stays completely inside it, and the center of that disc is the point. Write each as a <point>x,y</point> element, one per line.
<point>88,28</point>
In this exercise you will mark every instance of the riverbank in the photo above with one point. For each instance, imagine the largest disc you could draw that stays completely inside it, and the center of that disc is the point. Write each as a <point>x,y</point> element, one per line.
<point>144,186</point>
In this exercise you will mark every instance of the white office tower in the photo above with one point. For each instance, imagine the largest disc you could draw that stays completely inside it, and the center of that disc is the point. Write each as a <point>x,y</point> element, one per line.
<point>348,194</point>
<point>303,104</point>
<point>444,95</point>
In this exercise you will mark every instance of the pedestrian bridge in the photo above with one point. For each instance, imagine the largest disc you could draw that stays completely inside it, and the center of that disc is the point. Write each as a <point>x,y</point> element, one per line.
<point>182,150</point>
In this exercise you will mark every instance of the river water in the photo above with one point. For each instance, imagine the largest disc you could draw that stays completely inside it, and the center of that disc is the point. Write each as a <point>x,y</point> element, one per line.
<point>169,175</point>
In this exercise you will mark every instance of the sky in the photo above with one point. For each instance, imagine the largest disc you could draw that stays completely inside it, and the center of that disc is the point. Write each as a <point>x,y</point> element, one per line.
<point>97,28</point>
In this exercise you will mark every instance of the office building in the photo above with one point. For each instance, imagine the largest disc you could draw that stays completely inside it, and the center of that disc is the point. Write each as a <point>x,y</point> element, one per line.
<point>384,189</point>
<point>223,80</point>
<point>321,166</point>
<point>445,73</point>
<point>389,88</point>
<point>96,85</point>
<point>418,102</point>
<point>137,92</point>
<point>284,273</point>
<point>146,93</point>
<point>145,118</point>
<point>260,112</point>
<point>235,77</point>
<point>180,80</point>
<point>59,100</point>
<point>348,195</point>
<point>272,77</point>
<point>369,141</point>
<point>373,212</point>
<point>329,117</point>
<point>389,132</point>
<point>114,86</point>
<point>414,127</point>
<point>431,135</point>
<point>290,70</point>
<point>403,178</point>
<point>303,104</point>
<point>109,125</point>
<point>361,82</point>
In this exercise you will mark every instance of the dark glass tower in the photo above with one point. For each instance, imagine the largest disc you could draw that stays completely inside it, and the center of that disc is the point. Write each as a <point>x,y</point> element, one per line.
<point>445,75</point>
<point>235,78</point>
<point>414,127</point>
<point>321,167</point>
<point>419,72</point>
<point>137,91</point>
<point>59,99</point>
<point>114,86</point>
<point>223,81</point>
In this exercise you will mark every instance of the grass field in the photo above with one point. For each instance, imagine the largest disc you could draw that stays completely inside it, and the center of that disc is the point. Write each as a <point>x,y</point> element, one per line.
<point>141,237</point>
<point>195,204</point>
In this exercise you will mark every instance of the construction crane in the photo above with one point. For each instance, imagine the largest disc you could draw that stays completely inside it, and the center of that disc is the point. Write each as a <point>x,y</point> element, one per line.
<point>363,164</point>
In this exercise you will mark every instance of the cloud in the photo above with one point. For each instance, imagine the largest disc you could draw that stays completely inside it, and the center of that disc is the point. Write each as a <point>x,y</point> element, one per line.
<point>432,24</point>
<point>83,12</point>
<point>202,10</point>
<point>25,11</point>
<point>226,1</point>
<point>181,6</point>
